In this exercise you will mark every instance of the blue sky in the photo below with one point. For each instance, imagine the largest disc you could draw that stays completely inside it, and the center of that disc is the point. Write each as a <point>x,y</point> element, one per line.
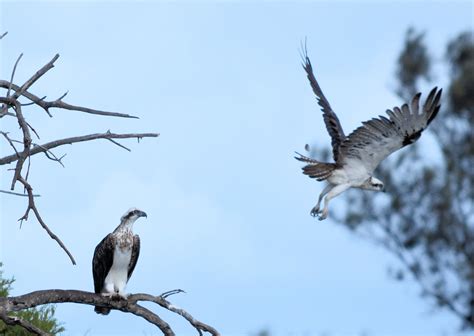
<point>228,209</point>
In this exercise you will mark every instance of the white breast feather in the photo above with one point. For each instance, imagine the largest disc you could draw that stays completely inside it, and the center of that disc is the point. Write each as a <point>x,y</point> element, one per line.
<point>117,277</point>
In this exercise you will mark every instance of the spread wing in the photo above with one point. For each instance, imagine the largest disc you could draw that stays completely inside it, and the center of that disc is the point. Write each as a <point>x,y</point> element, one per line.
<point>376,139</point>
<point>102,261</point>
<point>330,119</point>
<point>135,254</point>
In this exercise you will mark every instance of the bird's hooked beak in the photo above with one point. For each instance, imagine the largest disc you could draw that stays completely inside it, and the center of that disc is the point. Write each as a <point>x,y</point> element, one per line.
<point>383,190</point>
<point>142,214</point>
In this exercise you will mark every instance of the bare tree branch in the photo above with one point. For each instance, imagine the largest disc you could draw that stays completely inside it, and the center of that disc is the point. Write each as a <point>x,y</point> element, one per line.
<point>17,194</point>
<point>13,73</point>
<point>5,135</point>
<point>58,103</point>
<point>3,35</point>
<point>32,206</point>
<point>21,157</point>
<point>130,305</point>
<point>161,300</point>
<point>35,77</point>
<point>69,141</point>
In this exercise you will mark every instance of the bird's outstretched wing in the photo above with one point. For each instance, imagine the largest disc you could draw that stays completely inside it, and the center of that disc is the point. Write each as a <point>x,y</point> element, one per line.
<point>134,257</point>
<point>376,139</point>
<point>102,261</point>
<point>330,119</point>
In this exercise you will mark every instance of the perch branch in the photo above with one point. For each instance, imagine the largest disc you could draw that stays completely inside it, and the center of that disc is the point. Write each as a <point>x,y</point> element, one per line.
<point>130,305</point>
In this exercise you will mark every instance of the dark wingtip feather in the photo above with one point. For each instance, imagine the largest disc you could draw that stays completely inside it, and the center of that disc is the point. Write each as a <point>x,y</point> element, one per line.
<point>433,115</point>
<point>436,106</point>
<point>429,99</point>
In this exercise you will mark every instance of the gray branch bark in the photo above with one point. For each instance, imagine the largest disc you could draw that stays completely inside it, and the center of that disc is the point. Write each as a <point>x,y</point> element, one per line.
<point>69,141</point>
<point>130,305</point>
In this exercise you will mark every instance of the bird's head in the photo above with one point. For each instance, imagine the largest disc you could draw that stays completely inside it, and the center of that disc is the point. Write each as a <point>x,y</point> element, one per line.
<point>132,215</point>
<point>375,184</point>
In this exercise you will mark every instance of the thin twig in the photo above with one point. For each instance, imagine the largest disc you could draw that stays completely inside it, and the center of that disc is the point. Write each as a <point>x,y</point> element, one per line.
<point>50,155</point>
<point>17,194</point>
<point>119,144</point>
<point>3,35</point>
<point>32,103</point>
<point>13,74</point>
<point>10,141</point>
<point>64,95</point>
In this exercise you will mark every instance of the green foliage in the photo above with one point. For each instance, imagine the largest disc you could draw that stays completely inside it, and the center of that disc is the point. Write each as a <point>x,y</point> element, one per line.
<point>426,219</point>
<point>42,317</point>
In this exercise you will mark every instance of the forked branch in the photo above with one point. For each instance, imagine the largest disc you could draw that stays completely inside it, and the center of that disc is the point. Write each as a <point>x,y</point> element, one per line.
<point>69,141</point>
<point>130,305</point>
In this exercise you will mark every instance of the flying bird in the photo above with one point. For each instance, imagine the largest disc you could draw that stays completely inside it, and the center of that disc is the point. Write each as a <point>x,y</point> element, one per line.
<point>115,258</point>
<point>357,155</point>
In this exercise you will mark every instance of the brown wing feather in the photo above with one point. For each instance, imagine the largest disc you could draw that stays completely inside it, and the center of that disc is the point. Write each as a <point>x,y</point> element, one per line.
<point>333,125</point>
<point>135,254</point>
<point>102,261</point>
<point>316,169</point>
<point>101,264</point>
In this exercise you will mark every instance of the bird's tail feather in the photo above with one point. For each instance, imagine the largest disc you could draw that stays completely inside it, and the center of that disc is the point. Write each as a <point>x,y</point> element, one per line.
<point>316,169</point>
<point>102,310</point>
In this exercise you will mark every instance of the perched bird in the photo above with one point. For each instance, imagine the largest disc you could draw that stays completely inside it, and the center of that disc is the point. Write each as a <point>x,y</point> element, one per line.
<point>115,258</point>
<point>357,155</point>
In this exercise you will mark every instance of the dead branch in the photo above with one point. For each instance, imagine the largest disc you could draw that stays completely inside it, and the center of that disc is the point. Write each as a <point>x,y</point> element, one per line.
<point>13,73</point>
<point>35,77</point>
<point>11,101</point>
<point>32,206</point>
<point>130,305</point>
<point>59,103</point>
<point>10,141</point>
<point>16,194</point>
<point>161,300</point>
<point>21,157</point>
<point>69,141</point>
